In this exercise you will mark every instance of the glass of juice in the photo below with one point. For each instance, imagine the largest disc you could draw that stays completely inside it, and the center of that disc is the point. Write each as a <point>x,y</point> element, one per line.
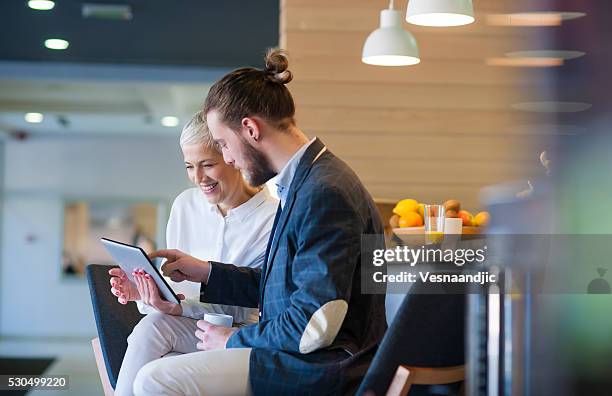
<point>434,223</point>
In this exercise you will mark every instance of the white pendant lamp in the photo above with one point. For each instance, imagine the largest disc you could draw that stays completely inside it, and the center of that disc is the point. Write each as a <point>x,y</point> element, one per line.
<point>390,44</point>
<point>440,12</point>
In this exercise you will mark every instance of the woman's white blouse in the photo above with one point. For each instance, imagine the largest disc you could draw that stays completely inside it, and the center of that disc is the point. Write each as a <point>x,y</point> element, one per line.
<point>198,229</point>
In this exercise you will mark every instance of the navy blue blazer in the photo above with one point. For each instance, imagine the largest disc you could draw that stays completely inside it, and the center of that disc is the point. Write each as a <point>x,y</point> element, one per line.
<point>317,332</point>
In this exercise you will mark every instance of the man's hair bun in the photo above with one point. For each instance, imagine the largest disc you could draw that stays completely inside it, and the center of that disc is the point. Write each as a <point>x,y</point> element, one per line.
<point>277,66</point>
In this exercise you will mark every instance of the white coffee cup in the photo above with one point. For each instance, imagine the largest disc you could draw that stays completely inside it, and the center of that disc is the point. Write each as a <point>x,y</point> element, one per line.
<point>453,225</point>
<point>219,319</point>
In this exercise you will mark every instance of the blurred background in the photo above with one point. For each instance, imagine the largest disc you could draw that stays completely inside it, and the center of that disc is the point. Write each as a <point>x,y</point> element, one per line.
<point>89,147</point>
<point>89,129</point>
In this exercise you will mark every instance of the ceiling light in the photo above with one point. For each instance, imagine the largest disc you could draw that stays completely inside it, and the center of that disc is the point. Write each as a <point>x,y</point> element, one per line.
<point>390,44</point>
<point>535,58</point>
<point>56,44</point>
<point>543,18</point>
<point>118,12</point>
<point>41,5</point>
<point>440,12</point>
<point>525,62</point>
<point>552,107</point>
<point>169,121</point>
<point>34,118</point>
<point>536,54</point>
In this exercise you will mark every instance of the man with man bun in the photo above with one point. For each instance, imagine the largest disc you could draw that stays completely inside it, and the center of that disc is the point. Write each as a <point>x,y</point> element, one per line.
<point>317,332</point>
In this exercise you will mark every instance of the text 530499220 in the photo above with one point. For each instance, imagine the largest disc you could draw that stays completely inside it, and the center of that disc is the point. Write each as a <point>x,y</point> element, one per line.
<point>27,382</point>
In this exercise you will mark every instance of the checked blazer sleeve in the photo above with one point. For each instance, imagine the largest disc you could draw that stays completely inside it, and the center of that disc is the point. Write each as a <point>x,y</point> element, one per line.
<point>327,232</point>
<point>232,285</point>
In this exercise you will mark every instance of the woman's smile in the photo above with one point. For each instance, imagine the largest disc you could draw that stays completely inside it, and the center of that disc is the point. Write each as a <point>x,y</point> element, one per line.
<point>209,188</point>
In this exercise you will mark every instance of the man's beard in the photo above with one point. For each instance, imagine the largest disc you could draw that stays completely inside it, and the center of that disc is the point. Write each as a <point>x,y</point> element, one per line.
<point>258,169</point>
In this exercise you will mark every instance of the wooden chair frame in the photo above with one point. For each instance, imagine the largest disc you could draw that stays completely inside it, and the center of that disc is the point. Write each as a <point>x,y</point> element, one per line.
<point>406,376</point>
<point>106,385</point>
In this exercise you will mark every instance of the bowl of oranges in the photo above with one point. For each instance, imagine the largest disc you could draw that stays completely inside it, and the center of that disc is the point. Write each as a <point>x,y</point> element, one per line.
<point>407,221</point>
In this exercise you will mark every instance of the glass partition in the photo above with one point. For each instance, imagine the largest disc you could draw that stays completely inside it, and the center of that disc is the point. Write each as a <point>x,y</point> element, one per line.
<point>85,222</point>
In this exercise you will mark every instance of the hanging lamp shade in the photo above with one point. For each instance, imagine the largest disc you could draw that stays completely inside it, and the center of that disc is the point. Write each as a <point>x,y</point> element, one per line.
<point>390,44</point>
<point>440,12</point>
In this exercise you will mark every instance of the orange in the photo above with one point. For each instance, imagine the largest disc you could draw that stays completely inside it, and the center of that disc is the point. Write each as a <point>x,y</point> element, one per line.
<point>482,219</point>
<point>406,206</point>
<point>468,219</point>
<point>421,210</point>
<point>411,219</point>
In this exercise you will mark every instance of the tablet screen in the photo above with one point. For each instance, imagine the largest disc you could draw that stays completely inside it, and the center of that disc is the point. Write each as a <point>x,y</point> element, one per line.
<point>131,258</point>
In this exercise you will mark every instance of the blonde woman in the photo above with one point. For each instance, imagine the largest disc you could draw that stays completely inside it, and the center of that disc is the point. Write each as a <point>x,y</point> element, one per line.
<point>222,218</point>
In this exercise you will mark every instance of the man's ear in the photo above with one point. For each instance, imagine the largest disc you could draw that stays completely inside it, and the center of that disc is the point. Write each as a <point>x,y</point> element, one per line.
<point>251,129</point>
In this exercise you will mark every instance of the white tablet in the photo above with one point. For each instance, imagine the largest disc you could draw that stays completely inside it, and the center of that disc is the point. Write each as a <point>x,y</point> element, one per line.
<point>130,258</point>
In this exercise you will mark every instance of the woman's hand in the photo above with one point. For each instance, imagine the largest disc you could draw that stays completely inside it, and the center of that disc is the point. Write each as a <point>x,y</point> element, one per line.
<point>180,266</point>
<point>149,293</point>
<point>121,286</point>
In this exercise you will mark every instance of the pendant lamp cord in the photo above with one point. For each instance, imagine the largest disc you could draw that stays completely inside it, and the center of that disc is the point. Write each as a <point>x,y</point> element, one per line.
<point>391,5</point>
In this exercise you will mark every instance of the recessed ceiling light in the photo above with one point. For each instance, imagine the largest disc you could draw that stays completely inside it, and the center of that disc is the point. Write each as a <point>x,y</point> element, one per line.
<point>544,18</point>
<point>539,54</point>
<point>169,121</point>
<point>56,44</point>
<point>552,107</point>
<point>41,5</point>
<point>119,12</point>
<point>34,118</point>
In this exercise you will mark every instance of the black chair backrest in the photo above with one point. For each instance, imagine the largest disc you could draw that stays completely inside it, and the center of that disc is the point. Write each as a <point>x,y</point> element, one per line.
<point>428,331</point>
<point>113,320</point>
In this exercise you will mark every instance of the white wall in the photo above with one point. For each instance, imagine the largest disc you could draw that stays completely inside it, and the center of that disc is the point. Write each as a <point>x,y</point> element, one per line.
<point>1,209</point>
<point>38,175</point>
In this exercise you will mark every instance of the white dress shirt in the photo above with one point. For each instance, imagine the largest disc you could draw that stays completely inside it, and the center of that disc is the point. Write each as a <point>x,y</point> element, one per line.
<point>285,176</point>
<point>200,230</point>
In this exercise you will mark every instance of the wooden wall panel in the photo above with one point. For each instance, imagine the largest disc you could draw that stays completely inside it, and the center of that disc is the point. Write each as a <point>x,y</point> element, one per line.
<point>400,96</point>
<point>363,16</point>
<point>440,46</point>
<point>442,129</point>
<point>453,123</point>
<point>475,149</point>
<point>344,69</point>
<point>481,6</point>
